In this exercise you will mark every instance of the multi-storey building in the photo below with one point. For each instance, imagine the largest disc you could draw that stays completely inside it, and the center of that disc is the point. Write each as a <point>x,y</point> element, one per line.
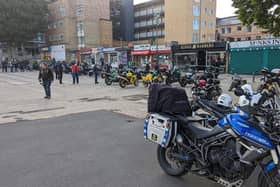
<point>232,29</point>
<point>79,24</point>
<point>122,16</point>
<point>192,21</point>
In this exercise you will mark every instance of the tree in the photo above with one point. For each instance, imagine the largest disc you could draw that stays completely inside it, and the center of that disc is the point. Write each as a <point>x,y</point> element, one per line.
<point>22,20</point>
<point>263,13</point>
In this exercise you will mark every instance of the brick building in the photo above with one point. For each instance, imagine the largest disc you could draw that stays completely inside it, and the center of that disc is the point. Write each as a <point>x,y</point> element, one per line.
<point>231,29</point>
<point>79,24</point>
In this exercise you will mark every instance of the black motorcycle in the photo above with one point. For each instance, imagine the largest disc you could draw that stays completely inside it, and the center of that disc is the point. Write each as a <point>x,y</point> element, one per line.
<point>110,78</point>
<point>237,82</point>
<point>175,76</point>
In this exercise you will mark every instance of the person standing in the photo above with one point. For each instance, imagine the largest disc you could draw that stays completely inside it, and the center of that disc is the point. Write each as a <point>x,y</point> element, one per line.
<point>95,71</point>
<point>46,79</point>
<point>75,72</point>
<point>5,65</point>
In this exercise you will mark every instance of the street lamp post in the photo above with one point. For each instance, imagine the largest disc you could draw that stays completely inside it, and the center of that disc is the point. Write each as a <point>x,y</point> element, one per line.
<point>157,17</point>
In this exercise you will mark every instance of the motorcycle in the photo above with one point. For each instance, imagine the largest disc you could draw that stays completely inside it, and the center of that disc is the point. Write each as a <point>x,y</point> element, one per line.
<point>153,77</point>
<point>110,78</point>
<point>128,78</point>
<point>209,89</point>
<point>227,154</point>
<point>175,76</point>
<point>237,81</point>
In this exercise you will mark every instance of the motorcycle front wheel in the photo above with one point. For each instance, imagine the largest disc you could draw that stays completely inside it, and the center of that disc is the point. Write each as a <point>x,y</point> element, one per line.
<point>169,165</point>
<point>271,178</point>
<point>168,81</point>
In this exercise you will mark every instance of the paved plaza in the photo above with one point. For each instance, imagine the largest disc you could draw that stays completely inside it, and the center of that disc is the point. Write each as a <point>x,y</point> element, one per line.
<point>21,97</point>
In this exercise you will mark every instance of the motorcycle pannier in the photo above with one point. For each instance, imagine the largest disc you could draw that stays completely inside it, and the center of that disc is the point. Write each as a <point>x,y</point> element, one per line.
<point>168,100</point>
<point>160,129</point>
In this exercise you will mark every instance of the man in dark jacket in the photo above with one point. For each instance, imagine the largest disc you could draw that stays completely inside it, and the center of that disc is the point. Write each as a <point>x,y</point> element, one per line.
<point>96,71</point>
<point>59,71</point>
<point>46,79</point>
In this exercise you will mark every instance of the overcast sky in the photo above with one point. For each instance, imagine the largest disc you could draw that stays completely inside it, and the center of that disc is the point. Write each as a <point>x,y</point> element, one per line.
<point>224,7</point>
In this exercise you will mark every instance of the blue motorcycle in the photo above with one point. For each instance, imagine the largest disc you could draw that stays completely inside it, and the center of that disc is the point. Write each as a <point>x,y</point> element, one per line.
<point>227,154</point>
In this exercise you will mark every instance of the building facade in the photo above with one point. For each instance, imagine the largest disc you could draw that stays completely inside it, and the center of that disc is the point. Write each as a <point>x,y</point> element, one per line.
<point>122,16</point>
<point>231,29</point>
<point>192,21</point>
<point>79,24</point>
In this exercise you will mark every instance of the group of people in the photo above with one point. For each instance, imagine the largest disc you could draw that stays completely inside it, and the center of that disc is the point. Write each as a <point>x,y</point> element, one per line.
<point>46,75</point>
<point>14,65</point>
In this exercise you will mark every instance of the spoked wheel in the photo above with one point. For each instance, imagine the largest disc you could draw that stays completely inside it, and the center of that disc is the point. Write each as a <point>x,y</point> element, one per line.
<point>269,179</point>
<point>170,165</point>
<point>122,83</point>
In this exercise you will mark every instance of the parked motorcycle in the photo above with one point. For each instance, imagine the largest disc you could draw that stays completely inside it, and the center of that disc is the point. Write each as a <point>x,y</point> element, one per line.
<point>152,77</point>
<point>237,81</point>
<point>208,89</point>
<point>110,78</point>
<point>128,78</point>
<point>175,76</point>
<point>227,154</point>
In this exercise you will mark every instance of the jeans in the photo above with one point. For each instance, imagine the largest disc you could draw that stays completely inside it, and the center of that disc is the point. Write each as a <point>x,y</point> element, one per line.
<point>75,76</point>
<point>47,87</point>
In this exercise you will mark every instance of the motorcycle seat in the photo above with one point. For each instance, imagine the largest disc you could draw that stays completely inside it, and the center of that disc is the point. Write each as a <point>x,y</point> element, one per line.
<point>215,108</point>
<point>196,128</point>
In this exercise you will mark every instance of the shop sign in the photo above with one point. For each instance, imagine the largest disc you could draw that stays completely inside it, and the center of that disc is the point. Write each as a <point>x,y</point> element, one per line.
<point>142,47</point>
<point>197,46</point>
<point>45,49</point>
<point>58,52</point>
<point>255,43</point>
<point>109,49</point>
<point>160,48</point>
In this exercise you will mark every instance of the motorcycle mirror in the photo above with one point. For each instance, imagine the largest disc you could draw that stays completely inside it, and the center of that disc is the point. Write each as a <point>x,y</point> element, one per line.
<point>239,92</point>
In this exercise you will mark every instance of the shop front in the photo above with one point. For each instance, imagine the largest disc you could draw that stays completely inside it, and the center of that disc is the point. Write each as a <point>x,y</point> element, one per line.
<point>200,56</point>
<point>248,57</point>
<point>143,54</point>
<point>115,56</point>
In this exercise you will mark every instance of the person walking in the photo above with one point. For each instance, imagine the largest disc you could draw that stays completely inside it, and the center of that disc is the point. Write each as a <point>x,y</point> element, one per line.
<point>59,70</point>
<point>75,72</point>
<point>46,79</point>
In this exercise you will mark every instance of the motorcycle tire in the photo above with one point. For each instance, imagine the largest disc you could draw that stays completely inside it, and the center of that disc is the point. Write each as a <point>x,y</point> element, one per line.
<point>136,83</point>
<point>168,81</point>
<point>271,178</point>
<point>146,84</point>
<point>108,81</point>
<point>183,82</point>
<point>122,83</point>
<point>162,156</point>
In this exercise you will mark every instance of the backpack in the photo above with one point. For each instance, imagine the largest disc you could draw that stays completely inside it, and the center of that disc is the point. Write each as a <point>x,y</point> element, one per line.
<point>168,100</point>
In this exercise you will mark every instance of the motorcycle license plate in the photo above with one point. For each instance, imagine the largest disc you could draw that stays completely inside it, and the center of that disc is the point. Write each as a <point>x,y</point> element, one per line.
<point>154,137</point>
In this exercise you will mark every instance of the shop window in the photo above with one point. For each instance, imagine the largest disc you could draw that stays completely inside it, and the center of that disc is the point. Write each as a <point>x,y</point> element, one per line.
<point>248,38</point>
<point>238,39</point>
<point>258,37</point>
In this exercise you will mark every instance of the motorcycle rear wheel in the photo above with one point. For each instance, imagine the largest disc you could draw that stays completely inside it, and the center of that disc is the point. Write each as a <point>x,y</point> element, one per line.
<point>166,165</point>
<point>168,81</point>
<point>122,83</point>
